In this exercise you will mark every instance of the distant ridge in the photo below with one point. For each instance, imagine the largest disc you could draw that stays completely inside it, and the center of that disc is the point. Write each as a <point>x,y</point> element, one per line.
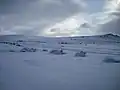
<point>103,35</point>
<point>110,35</point>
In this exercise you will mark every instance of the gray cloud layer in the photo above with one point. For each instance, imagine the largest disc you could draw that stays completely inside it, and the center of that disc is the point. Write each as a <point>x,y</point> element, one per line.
<point>112,7</point>
<point>25,13</point>
<point>32,16</point>
<point>13,6</point>
<point>47,8</point>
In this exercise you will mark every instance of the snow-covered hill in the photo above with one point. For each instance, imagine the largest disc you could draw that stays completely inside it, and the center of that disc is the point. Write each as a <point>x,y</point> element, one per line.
<point>61,63</point>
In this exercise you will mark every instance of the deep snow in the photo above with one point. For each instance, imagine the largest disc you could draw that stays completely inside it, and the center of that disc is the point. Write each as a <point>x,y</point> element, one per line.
<point>42,70</point>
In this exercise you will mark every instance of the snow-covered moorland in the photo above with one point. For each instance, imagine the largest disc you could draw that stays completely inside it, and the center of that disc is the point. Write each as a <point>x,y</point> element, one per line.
<point>62,63</point>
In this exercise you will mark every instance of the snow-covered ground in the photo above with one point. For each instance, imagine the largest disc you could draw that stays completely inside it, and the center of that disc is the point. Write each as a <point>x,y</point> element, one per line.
<point>42,70</point>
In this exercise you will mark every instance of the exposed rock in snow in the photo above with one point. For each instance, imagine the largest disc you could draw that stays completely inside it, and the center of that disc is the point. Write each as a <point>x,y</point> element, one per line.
<point>80,54</point>
<point>57,52</point>
<point>45,50</point>
<point>28,50</point>
<point>111,60</point>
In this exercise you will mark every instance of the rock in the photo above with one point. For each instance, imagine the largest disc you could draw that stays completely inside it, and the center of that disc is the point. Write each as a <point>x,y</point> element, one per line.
<point>11,51</point>
<point>57,52</point>
<point>45,50</point>
<point>28,50</point>
<point>110,60</point>
<point>80,54</point>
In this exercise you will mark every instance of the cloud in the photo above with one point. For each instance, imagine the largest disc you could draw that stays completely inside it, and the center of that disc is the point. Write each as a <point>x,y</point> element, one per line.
<point>80,3</point>
<point>13,6</point>
<point>106,21</point>
<point>59,17</point>
<point>79,24</point>
<point>111,17</point>
<point>32,16</point>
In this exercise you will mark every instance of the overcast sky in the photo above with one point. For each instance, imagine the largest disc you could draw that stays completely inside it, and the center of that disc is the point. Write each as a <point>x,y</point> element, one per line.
<point>59,17</point>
